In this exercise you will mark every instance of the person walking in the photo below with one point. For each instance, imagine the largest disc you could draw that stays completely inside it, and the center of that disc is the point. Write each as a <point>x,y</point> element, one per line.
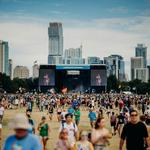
<point>77,115</point>
<point>135,133</point>
<point>100,135</point>
<point>63,141</point>
<point>71,128</point>
<point>44,130</point>
<point>1,112</point>
<point>113,120</point>
<point>22,139</point>
<point>92,117</point>
<point>83,143</point>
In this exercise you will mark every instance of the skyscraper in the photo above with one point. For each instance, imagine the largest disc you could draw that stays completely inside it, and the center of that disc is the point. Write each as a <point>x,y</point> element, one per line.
<point>73,56</point>
<point>141,51</point>
<point>115,66</point>
<point>139,68</point>
<point>142,74</point>
<point>136,62</point>
<point>149,71</point>
<point>4,54</point>
<point>55,33</point>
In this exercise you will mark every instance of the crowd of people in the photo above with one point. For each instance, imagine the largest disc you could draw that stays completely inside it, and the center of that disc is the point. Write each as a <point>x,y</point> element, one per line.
<point>128,115</point>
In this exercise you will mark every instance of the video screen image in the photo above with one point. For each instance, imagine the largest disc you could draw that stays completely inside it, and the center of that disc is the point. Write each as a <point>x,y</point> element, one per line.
<point>98,77</point>
<point>47,77</point>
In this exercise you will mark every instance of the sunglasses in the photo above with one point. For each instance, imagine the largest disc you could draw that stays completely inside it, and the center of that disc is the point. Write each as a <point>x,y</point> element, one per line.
<point>134,115</point>
<point>84,135</point>
<point>64,132</point>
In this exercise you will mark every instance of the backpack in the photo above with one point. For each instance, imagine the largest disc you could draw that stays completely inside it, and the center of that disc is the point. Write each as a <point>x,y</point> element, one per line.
<point>63,125</point>
<point>73,127</point>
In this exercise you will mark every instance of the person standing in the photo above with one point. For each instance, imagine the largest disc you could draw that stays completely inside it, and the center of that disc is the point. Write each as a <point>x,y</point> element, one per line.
<point>22,139</point>
<point>135,133</point>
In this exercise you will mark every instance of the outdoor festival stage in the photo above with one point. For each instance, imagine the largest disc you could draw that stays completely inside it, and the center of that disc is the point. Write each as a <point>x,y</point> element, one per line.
<point>74,78</point>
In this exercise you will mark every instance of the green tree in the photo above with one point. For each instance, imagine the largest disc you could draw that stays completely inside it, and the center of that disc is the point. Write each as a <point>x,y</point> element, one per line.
<point>6,83</point>
<point>112,83</point>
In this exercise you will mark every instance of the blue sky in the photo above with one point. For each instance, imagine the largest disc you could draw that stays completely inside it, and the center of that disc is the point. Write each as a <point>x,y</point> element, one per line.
<point>110,26</point>
<point>75,9</point>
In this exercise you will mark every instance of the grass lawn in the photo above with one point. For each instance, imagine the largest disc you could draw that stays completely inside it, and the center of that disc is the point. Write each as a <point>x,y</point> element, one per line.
<point>54,125</point>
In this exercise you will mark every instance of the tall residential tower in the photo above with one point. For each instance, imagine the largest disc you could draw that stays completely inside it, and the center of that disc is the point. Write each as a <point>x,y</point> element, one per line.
<point>4,54</point>
<point>115,66</point>
<point>55,33</point>
<point>141,51</point>
<point>139,68</point>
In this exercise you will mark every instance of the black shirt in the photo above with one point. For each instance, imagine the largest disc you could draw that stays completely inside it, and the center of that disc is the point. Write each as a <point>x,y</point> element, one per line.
<point>134,135</point>
<point>121,119</point>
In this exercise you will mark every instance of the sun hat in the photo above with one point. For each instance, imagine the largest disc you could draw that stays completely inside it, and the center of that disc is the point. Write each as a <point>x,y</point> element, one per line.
<point>20,121</point>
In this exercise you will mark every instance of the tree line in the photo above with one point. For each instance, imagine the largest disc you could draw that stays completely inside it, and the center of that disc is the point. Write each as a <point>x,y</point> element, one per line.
<point>17,85</point>
<point>30,85</point>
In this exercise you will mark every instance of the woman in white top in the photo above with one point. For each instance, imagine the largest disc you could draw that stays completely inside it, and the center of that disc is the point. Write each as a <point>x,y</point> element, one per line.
<point>83,143</point>
<point>100,135</point>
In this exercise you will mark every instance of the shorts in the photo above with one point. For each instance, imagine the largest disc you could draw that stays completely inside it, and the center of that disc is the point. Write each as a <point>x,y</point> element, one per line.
<point>1,117</point>
<point>44,137</point>
<point>100,147</point>
<point>58,113</point>
<point>113,124</point>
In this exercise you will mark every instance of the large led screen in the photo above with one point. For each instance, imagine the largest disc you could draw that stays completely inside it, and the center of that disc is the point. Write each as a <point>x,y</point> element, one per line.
<point>47,77</point>
<point>98,77</point>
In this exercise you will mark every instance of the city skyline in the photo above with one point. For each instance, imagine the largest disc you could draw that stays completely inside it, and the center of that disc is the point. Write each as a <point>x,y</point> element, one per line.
<point>114,27</point>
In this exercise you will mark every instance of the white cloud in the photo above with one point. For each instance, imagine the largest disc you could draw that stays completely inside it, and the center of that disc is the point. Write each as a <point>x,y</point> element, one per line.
<point>122,10</point>
<point>28,41</point>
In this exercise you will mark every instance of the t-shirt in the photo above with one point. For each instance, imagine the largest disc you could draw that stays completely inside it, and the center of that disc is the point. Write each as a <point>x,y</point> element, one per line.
<point>92,116</point>
<point>77,115</point>
<point>30,142</point>
<point>72,129</point>
<point>134,135</point>
<point>29,105</point>
<point>82,146</point>
<point>71,110</point>
<point>16,101</point>
<point>63,115</point>
<point>121,119</point>
<point>98,134</point>
<point>62,145</point>
<point>147,112</point>
<point>1,111</point>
